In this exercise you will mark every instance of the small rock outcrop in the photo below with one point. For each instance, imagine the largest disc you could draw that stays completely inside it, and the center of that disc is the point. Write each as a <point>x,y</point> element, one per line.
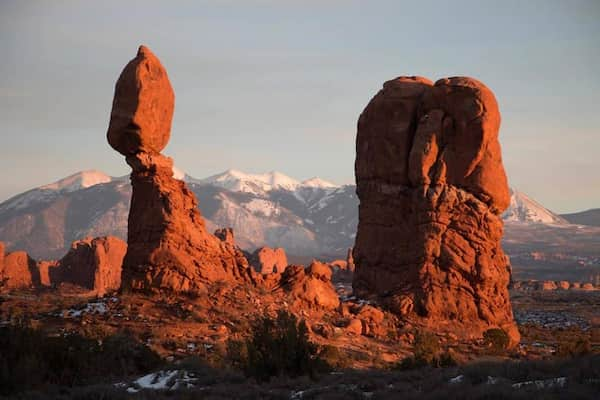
<point>267,260</point>
<point>432,186</point>
<point>225,235</point>
<point>169,247</point>
<point>17,270</point>
<point>91,263</point>
<point>310,287</point>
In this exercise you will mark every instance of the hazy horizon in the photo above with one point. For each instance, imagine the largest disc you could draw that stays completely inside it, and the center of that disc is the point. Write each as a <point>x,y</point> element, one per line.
<point>264,86</point>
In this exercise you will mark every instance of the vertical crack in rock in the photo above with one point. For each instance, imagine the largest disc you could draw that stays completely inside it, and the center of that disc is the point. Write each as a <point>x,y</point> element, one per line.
<point>432,186</point>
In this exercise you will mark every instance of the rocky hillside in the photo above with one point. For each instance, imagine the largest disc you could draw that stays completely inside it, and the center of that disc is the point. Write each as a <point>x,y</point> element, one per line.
<point>588,217</point>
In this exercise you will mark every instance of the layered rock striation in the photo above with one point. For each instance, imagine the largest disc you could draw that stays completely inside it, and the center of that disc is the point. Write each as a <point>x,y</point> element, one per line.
<point>169,247</point>
<point>432,187</point>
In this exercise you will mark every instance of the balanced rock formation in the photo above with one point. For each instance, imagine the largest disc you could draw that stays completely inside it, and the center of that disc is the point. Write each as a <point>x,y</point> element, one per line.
<point>17,270</point>
<point>94,264</point>
<point>267,260</point>
<point>432,186</point>
<point>168,245</point>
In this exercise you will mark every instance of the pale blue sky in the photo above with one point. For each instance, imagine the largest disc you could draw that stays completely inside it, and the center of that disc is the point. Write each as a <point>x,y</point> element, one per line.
<point>279,85</point>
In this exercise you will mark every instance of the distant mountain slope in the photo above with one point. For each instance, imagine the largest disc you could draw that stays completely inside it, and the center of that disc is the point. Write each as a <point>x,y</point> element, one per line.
<point>589,217</point>
<point>524,209</point>
<point>267,209</point>
<point>313,218</point>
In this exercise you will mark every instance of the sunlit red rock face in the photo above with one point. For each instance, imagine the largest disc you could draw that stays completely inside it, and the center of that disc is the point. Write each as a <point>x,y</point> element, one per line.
<point>94,264</point>
<point>17,270</point>
<point>431,185</point>
<point>168,245</point>
<point>310,287</point>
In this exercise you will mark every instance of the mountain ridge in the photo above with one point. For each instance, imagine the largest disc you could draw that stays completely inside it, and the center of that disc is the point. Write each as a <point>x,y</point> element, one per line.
<point>308,218</point>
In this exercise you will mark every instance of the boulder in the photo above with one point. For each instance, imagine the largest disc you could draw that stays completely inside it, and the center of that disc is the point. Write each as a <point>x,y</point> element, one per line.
<point>564,285</point>
<point>432,186</point>
<point>355,326</point>
<point>309,288</point>
<point>320,270</point>
<point>587,286</point>
<point>548,285</point>
<point>142,109</point>
<point>168,246</point>
<point>267,260</point>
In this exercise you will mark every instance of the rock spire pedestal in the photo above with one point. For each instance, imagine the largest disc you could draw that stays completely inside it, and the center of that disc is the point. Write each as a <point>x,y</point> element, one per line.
<point>168,246</point>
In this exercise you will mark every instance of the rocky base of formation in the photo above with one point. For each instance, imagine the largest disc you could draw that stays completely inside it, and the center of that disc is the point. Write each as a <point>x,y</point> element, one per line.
<point>455,280</point>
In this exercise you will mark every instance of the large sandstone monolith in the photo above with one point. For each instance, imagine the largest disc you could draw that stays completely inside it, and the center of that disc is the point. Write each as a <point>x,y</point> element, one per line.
<point>432,186</point>
<point>168,245</point>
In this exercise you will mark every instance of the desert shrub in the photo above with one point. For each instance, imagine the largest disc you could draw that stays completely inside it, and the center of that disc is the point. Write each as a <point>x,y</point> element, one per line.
<point>426,346</point>
<point>577,348</point>
<point>496,339</point>
<point>335,358</point>
<point>30,359</point>
<point>280,346</point>
<point>236,353</point>
<point>426,352</point>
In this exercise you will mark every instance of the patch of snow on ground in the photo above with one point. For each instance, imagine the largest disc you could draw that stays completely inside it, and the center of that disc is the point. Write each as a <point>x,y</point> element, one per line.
<point>543,383</point>
<point>161,380</point>
<point>90,308</point>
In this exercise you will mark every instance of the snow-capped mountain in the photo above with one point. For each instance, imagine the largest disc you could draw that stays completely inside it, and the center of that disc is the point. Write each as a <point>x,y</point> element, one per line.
<point>313,218</point>
<point>264,209</point>
<point>238,181</point>
<point>78,181</point>
<point>523,209</point>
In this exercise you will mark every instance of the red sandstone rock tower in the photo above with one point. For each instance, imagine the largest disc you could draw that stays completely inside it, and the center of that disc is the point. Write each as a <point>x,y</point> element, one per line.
<point>168,245</point>
<point>431,185</point>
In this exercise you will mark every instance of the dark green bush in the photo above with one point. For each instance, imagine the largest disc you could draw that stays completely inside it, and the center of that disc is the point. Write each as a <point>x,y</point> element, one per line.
<point>29,359</point>
<point>280,346</point>
<point>426,352</point>
<point>426,347</point>
<point>496,340</point>
<point>577,348</point>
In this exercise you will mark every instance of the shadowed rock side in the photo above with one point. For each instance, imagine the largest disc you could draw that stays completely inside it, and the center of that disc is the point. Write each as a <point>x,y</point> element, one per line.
<point>168,245</point>
<point>431,186</point>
